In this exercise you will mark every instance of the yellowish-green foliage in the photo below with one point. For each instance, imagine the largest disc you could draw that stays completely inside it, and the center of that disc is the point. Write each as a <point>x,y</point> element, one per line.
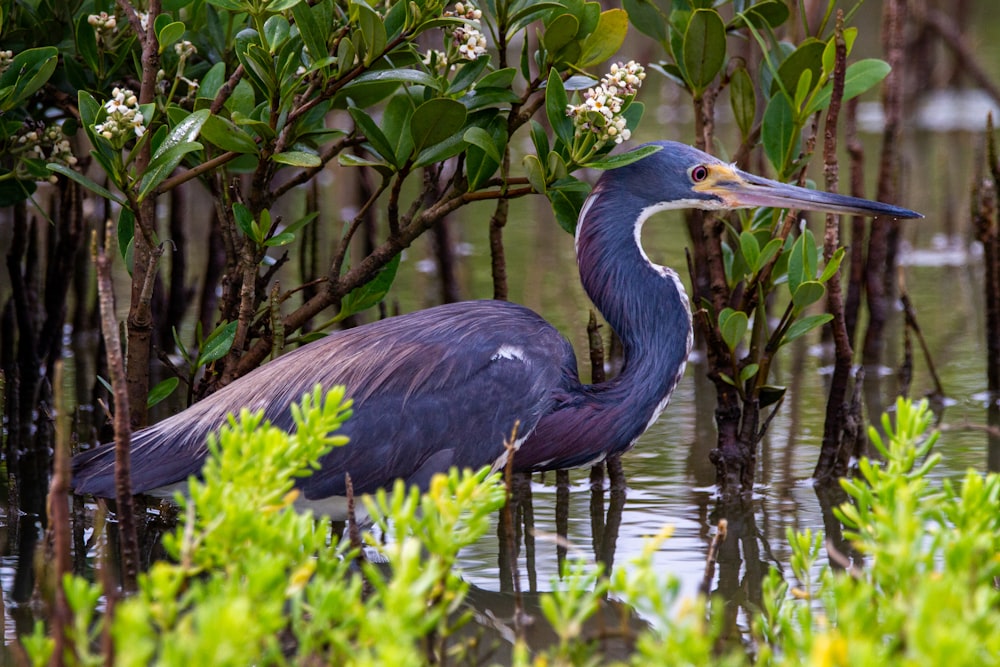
<point>254,582</point>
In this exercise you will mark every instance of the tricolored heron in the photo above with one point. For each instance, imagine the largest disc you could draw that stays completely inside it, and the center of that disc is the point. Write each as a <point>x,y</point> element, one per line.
<point>445,386</point>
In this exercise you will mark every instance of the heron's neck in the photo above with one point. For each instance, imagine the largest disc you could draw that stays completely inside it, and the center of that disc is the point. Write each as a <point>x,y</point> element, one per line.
<point>644,303</point>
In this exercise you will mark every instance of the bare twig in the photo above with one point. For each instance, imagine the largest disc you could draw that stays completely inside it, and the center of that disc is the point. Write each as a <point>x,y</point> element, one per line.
<point>712,557</point>
<point>122,427</point>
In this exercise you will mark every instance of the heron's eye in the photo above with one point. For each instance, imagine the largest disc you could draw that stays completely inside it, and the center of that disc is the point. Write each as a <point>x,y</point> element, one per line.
<point>699,173</point>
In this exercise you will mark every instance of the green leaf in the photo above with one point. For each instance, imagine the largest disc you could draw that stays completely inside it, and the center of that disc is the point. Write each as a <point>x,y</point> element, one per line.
<point>84,181</point>
<point>163,165</point>
<point>808,293</point>
<point>218,343</point>
<point>468,73</point>
<point>86,43</point>
<point>435,120</point>
<point>396,126</point>
<point>560,32</point>
<point>749,371</point>
<point>555,108</point>
<point>298,159</point>
<point>647,17</point>
<point>622,159</point>
<point>605,41</point>
<point>779,134</point>
<point>224,133</point>
<point>567,197</point>
<point>284,238</point>
<point>276,30</point>
<point>28,71</point>
<point>376,139</point>
<point>244,220</point>
<point>807,57</point>
<point>310,28</point>
<point>832,265</point>
<point>743,100</point>
<point>502,78</point>
<point>161,391</point>
<point>169,34</point>
<point>804,326</point>
<point>536,173</point>
<point>125,230</point>
<point>704,48</point>
<point>859,78</point>
<point>371,293</point>
<point>751,251</point>
<point>733,326</point>
<point>480,98</point>
<point>372,31</point>
<point>477,136</point>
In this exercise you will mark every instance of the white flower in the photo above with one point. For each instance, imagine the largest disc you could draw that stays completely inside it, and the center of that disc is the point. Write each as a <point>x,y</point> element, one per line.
<point>599,112</point>
<point>124,117</point>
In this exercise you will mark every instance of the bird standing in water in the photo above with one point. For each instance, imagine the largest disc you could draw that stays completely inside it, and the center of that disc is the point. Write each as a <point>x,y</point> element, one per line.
<point>445,386</point>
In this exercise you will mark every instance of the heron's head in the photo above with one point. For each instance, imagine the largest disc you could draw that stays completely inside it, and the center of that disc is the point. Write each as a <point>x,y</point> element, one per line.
<point>679,176</point>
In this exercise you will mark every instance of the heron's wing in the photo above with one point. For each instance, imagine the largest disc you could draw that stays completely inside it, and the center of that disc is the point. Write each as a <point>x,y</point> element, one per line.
<point>436,388</point>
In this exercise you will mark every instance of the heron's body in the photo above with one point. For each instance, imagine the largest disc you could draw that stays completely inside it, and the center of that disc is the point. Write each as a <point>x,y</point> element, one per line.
<point>446,386</point>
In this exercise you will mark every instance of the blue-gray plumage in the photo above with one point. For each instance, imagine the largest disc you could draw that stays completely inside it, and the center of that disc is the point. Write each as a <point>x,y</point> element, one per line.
<point>445,386</point>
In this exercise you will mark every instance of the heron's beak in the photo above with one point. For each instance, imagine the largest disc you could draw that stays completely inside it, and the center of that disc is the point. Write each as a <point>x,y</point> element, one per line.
<point>738,189</point>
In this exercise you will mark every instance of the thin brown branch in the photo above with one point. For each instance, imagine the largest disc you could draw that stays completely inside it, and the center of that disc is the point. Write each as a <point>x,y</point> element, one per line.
<point>122,427</point>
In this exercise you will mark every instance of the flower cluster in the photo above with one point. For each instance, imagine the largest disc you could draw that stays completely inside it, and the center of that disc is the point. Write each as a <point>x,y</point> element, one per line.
<point>469,40</point>
<point>6,58</point>
<point>124,118</point>
<point>600,112</point>
<point>43,143</point>
<point>185,49</point>
<point>104,24</point>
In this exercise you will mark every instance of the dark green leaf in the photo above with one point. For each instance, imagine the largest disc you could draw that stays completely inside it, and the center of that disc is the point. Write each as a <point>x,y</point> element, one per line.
<point>86,43</point>
<point>477,136</point>
<point>468,73</point>
<point>807,57</point>
<point>743,100</point>
<point>647,18</point>
<point>536,173</point>
<point>436,120</point>
<point>396,126</point>
<point>84,181</point>
<point>555,108</point>
<point>808,293</point>
<point>217,344</point>
<point>804,326</point>
<point>779,134</point>
<point>481,98</point>
<point>704,48</point>
<point>622,159</point>
<point>163,165</point>
<point>222,132</point>
<point>567,197</point>
<point>376,139</point>
<point>244,220</point>
<point>502,78</point>
<point>313,34</point>
<point>751,251</point>
<point>28,71</point>
<point>125,230</point>
<point>560,32</point>
<point>371,293</point>
<point>161,391</point>
<point>276,30</point>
